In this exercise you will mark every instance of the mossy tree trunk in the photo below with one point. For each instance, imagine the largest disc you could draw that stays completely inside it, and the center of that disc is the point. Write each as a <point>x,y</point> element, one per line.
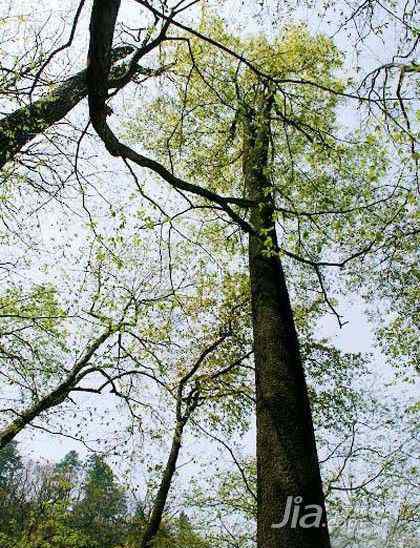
<point>287,461</point>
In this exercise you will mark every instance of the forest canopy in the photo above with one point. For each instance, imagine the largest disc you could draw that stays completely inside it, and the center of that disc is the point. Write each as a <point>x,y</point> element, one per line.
<point>209,264</point>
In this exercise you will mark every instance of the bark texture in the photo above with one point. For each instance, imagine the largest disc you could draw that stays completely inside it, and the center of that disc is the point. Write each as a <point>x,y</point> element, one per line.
<point>287,461</point>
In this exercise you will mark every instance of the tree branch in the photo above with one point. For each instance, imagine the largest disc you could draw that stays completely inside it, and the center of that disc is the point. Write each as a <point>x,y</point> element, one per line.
<point>20,127</point>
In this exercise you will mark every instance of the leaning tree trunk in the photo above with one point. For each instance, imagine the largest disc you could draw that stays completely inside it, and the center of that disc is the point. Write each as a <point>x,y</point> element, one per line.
<point>18,128</point>
<point>287,461</point>
<point>55,397</point>
<point>159,504</point>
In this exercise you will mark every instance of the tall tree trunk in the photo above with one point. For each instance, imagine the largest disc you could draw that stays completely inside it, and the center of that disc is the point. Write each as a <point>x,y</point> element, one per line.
<point>287,461</point>
<point>155,519</point>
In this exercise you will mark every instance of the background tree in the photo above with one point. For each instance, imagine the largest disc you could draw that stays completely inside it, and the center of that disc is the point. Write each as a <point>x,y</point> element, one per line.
<point>100,513</point>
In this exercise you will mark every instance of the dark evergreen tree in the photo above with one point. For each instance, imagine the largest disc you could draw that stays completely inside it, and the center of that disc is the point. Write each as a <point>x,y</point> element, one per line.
<point>102,509</point>
<point>69,463</point>
<point>12,495</point>
<point>10,464</point>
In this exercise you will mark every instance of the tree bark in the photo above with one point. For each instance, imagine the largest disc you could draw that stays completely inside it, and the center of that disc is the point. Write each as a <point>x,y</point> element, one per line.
<point>287,461</point>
